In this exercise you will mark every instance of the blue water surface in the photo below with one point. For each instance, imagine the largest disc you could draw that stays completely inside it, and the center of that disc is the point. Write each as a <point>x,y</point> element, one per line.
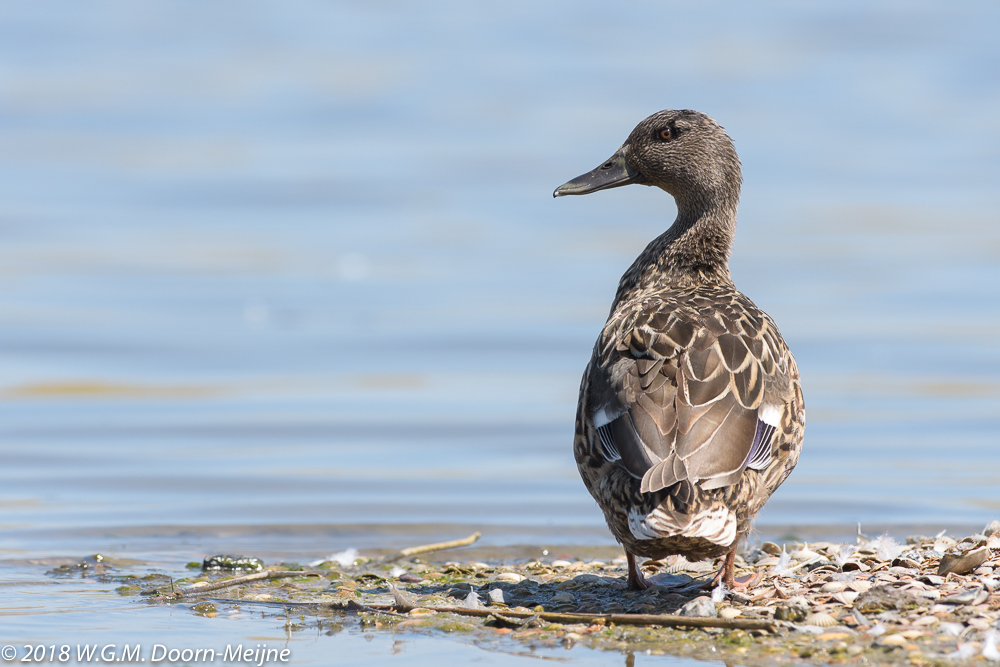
<point>269,264</point>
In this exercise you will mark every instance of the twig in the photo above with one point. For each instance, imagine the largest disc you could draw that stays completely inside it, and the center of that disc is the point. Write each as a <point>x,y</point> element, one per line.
<point>666,620</point>
<point>439,546</point>
<point>238,581</point>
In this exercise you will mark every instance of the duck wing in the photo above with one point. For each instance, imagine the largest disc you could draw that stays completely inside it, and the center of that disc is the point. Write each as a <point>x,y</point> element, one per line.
<point>689,396</point>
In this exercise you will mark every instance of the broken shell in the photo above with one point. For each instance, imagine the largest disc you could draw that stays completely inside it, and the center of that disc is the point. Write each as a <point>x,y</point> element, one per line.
<point>964,563</point>
<point>979,623</point>
<point>561,563</point>
<point>944,543</point>
<point>675,564</point>
<point>893,640</point>
<point>846,597</point>
<point>771,548</point>
<point>510,577</point>
<point>833,587</point>
<point>993,541</point>
<point>972,596</point>
<point>730,612</point>
<point>860,585</point>
<point>822,620</point>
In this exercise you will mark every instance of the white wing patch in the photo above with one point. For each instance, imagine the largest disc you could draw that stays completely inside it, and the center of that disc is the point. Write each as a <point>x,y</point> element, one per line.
<point>602,417</point>
<point>717,525</point>
<point>770,414</point>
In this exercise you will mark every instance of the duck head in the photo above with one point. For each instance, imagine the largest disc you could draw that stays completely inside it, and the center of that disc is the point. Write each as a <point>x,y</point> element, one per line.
<point>684,152</point>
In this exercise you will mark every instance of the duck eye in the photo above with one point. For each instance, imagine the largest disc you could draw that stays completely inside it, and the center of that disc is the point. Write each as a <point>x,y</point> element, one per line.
<point>665,134</point>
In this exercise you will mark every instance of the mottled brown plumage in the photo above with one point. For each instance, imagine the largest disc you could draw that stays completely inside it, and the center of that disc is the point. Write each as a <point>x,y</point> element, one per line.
<point>690,411</point>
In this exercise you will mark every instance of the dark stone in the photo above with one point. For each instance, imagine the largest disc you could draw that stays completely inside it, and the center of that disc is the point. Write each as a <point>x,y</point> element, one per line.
<point>235,563</point>
<point>702,606</point>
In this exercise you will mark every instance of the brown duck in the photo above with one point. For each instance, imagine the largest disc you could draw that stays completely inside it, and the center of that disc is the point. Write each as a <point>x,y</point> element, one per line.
<point>690,411</point>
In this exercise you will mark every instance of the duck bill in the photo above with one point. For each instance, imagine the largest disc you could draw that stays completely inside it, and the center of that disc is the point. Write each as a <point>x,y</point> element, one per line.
<point>612,174</point>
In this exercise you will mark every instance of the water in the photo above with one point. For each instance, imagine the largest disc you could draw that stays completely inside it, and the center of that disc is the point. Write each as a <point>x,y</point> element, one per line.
<point>268,268</point>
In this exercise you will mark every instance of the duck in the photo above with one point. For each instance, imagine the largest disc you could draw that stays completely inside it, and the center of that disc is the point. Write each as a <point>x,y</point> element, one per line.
<point>691,411</point>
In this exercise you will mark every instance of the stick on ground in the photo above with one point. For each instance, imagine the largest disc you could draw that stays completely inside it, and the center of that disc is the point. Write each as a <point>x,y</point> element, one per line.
<point>439,546</point>
<point>191,591</point>
<point>666,620</point>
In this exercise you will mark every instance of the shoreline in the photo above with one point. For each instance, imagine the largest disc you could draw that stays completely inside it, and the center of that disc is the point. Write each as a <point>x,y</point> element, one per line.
<point>930,600</point>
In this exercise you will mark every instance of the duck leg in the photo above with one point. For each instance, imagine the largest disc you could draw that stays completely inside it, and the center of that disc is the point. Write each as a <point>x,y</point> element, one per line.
<point>727,572</point>
<point>636,582</point>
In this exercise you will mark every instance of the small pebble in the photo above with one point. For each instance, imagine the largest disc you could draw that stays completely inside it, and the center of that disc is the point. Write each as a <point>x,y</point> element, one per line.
<point>420,611</point>
<point>702,606</point>
<point>496,596</point>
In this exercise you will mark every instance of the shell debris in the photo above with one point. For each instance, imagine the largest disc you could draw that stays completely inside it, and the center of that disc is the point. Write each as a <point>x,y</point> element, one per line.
<point>822,620</point>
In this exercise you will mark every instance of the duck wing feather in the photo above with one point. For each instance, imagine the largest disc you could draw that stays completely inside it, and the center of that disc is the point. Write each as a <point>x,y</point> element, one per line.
<point>689,394</point>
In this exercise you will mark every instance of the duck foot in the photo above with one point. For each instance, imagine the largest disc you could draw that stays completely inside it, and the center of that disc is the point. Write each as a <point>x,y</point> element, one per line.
<point>726,575</point>
<point>636,582</point>
<point>743,584</point>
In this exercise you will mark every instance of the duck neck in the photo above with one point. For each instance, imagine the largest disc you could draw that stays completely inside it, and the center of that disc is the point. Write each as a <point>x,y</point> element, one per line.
<point>695,249</point>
